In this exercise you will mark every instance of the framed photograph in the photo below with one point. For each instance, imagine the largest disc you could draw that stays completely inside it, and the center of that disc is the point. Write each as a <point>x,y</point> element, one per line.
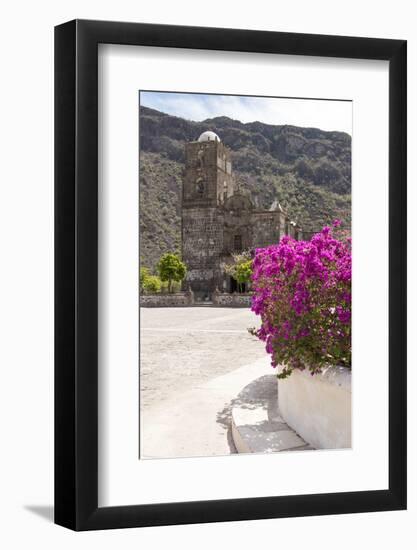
<point>230,284</point>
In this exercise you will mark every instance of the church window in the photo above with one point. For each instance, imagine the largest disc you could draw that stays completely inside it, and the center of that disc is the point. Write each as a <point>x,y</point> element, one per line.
<point>200,187</point>
<point>238,242</point>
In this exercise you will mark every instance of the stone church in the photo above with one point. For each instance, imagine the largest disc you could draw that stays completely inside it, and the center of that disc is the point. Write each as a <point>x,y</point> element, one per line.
<point>218,219</point>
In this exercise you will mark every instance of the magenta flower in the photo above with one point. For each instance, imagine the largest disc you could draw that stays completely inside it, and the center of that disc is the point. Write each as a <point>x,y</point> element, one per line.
<point>302,292</point>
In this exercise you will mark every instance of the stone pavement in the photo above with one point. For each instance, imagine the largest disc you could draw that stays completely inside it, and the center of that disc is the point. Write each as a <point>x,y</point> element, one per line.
<point>196,422</point>
<point>200,368</point>
<point>257,426</point>
<point>182,348</point>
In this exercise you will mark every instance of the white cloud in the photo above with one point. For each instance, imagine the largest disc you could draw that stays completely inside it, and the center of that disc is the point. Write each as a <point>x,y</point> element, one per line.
<point>313,113</point>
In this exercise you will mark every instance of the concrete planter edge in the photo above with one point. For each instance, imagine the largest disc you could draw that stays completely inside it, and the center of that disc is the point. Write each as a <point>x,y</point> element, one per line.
<point>318,407</point>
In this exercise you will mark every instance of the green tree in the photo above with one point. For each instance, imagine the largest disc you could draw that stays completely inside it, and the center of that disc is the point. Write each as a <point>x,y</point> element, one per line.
<point>240,269</point>
<point>243,273</point>
<point>171,268</point>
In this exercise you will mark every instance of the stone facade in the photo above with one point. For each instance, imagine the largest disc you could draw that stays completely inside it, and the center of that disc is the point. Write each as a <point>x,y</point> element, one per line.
<point>218,219</point>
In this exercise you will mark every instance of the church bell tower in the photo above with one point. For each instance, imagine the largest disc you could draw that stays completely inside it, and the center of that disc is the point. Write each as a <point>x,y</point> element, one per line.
<point>208,172</point>
<point>207,183</point>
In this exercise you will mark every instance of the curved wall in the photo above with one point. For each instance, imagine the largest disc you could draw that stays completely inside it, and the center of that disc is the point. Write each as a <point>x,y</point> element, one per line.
<point>318,407</point>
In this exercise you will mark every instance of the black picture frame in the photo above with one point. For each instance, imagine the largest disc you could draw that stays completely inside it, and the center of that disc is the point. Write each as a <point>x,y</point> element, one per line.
<point>76,272</point>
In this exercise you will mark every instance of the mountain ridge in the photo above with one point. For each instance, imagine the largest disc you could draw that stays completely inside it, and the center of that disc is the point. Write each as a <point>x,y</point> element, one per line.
<point>308,170</point>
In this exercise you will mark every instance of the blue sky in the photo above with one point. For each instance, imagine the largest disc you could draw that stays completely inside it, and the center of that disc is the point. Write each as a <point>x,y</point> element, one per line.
<point>312,113</point>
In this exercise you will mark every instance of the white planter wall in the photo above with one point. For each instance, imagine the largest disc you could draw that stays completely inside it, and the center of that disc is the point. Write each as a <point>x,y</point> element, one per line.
<point>318,407</point>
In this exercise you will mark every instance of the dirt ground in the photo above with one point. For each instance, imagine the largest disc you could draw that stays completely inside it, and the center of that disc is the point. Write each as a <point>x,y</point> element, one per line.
<point>181,348</point>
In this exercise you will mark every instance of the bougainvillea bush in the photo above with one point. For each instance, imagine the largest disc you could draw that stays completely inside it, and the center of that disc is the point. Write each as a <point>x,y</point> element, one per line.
<point>302,291</point>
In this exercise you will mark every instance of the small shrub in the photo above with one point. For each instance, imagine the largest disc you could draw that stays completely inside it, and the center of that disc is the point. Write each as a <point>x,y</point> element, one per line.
<point>152,283</point>
<point>143,275</point>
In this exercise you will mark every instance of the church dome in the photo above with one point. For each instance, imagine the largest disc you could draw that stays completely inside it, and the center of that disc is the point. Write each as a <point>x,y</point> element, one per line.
<point>209,136</point>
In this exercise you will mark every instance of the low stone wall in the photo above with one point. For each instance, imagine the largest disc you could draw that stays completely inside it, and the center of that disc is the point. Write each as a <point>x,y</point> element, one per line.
<point>167,300</point>
<point>231,300</point>
<point>187,299</point>
<point>318,407</point>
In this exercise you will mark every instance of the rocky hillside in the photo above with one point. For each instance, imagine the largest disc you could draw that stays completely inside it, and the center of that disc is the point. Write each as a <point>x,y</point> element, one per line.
<point>306,169</point>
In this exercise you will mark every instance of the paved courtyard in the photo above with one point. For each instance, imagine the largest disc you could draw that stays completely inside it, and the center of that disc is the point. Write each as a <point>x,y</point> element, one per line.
<point>192,363</point>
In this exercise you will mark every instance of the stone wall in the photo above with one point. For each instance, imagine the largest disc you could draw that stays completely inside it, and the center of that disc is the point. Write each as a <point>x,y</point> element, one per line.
<point>202,243</point>
<point>187,298</point>
<point>231,300</point>
<point>267,228</point>
<point>176,299</point>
